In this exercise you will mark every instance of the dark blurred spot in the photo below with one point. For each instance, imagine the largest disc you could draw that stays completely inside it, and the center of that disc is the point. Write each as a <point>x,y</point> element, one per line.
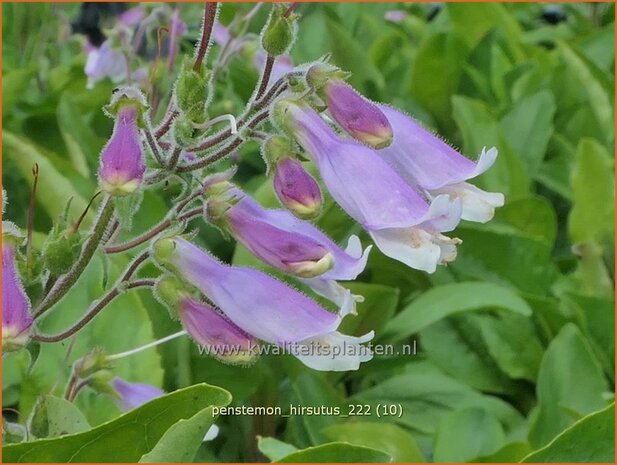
<point>553,15</point>
<point>433,11</point>
<point>90,18</point>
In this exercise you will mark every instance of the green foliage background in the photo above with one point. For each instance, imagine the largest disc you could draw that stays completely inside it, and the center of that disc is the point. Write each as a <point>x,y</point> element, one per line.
<point>515,340</point>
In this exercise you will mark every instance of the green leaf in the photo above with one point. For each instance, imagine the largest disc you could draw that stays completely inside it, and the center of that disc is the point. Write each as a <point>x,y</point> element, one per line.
<point>441,301</point>
<point>273,448</point>
<point>14,84</point>
<point>528,127</point>
<point>54,416</point>
<point>374,312</point>
<point>180,443</point>
<point>592,216</point>
<point>388,438</point>
<point>570,383</point>
<point>512,452</point>
<point>426,394</point>
<point>348,54</point>
<point>466,434</point>
<point>594,84</point>
<point>589,440</point>
<point>436,73</point>
<point>126,438</point>
<point>455,345</point>
<point>54,188</point>
<point>336,452</point>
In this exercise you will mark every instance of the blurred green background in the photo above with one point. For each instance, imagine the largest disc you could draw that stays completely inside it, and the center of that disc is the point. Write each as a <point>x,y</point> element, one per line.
<point>515,340</point>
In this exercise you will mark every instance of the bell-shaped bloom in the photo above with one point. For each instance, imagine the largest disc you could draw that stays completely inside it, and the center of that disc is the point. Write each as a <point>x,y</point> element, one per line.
<point>430,164</point>
<point>122,160</point>
<point>265,307</point>
<point>216,335</point>
<point>297,189</point>
<point>294,246</point>
<point>360,118</point>
<point>16,317</point>
<point>104,62</point>
<point>402,223</point>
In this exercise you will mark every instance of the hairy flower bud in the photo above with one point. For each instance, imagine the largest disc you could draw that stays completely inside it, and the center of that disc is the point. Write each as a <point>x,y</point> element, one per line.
<point>279,32</point>
<point>122,160</point>
<point>193,91</point>
<point>296,189</point>
<point>16,317</point>
<point>360,118</point>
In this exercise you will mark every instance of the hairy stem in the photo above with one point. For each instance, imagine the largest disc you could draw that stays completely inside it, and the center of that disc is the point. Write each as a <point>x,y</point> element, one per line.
<point>162,226</point>
<point>154,147</point>
<point>93,311</point>
<point>209,17</point>
<point>66,281</point>
<point>265,76</point>
<point>224,151</point>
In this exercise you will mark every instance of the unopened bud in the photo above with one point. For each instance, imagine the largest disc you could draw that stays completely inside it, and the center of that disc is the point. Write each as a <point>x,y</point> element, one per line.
<point>296,189</point>
<point>280,31</point>
<point>193,92</point>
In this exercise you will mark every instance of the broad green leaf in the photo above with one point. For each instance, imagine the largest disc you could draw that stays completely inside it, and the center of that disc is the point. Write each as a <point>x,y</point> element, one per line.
<point>593,215</point>
<point>593,83</point>
<point>512,452</point>
<point>348,54</point>
<point>336,452</point>
<point>466,434</point>
<point>180,443</point>
<point>589,440</point>
<point>439,302</point>
<point>436,72</point>
<point>456,346</point>
<point>274,449</point>
<point>388,438</point>
<point>532,217</point>
<point>570,385</point>
<point>426,394</point>
<point>54,188</point>
<point>126,438</point>
<point>54,416</point>
<point>14,84</point>
<point>512,342</point>
<point>528,127</point>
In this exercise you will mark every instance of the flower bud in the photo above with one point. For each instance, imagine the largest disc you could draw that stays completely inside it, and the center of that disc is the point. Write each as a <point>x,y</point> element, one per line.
<point>360,118</point>
<point>122,160</point>
<point>16,317</point>
<point>279,32</point>
<point>62,247</point>
<point>296,189</point>
<point>94,361</point>
<point>193,91</point>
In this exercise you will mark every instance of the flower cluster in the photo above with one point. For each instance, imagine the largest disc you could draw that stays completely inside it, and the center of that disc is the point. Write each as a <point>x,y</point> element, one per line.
<point>320,139</point>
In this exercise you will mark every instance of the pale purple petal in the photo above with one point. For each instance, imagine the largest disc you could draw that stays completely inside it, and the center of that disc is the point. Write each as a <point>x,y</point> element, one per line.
<point>424,159</point>
<point>358,179</point>
<point>133,395</point>
<point>477,205</point>
<point>16,317</point>
<point>296,189</point>
<point>257,303</point>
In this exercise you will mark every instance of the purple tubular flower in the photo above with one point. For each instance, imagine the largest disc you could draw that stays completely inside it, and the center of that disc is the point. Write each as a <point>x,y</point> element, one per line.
<point>401,222</point>
<point>296,247</point>
<point>16,317</point>
<point>133,395</point>
<point>122,160</point>
<point>395,16</point>
<point>360,118</point>
<point>297,189</point>
<point>104,62</point>
<point>223,339</point>
<point>265,307</point>
<point>430,164</point>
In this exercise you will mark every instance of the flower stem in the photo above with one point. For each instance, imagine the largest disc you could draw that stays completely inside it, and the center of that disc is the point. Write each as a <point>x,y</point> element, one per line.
<point>154,147</point>
<point>35,182</point>
<point>146,346</point>
<point>209,17</point>
<point>66,281</point>
<point>226,150</point>
<point>92,312</point>
<point>162,226</point>
<point>265,76</point>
